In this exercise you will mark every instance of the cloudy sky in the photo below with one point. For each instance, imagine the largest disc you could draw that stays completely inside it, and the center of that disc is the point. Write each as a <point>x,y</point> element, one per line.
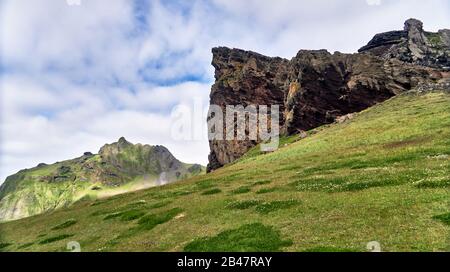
<point>74,77</point>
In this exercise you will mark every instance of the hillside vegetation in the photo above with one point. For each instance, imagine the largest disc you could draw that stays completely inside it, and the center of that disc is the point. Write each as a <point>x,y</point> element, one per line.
<point>382,176</point>
<point>117,168</point>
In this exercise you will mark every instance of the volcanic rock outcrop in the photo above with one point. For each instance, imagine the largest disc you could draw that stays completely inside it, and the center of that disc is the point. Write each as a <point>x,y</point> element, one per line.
<point>413,45</point>
<point>315,87</point>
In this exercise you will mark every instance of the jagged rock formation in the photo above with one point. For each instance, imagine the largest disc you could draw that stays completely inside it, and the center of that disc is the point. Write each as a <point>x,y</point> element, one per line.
<point>47,187</point>
<point>315,87</point>
<point>413,45</point>
<point>244,78</point>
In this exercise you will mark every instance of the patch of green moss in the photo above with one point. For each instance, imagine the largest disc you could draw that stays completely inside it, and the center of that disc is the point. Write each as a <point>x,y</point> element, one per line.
<point>205,184</point>
<point>173,194</point>
<point>363,185</point>
<point>435,39</point>
<point>243,205</point>
<point>131,215</point>
<point>212,192</point>
<point>127,215</point>
<point>241,190</point>
<point>248,238</point>
<point>159,204</point>
<point>444,218</point>
<point>433,184</point>
<point>262,182</point>
<point>150,221</point>
<point>55,239</point>
<point>25,246</point>
<point>113,215</point>
<point>65,225</point>
<point>266,190</point>
<point>4,245</point>
<point>273,206</point>
<point>362,181</point>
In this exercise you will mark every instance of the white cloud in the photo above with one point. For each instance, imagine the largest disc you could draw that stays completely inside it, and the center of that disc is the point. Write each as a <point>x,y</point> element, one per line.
<point>84,119</point>
<point>77,76</point>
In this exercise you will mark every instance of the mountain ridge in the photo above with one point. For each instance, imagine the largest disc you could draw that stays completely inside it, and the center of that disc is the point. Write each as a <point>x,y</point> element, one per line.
<point>117,165</point>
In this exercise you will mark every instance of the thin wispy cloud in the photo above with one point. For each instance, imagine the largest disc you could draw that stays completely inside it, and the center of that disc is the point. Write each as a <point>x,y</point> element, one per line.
<point>74,77</point>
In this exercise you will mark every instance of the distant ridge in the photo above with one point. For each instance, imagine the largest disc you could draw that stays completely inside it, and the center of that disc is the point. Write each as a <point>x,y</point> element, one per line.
<point>117,168</point>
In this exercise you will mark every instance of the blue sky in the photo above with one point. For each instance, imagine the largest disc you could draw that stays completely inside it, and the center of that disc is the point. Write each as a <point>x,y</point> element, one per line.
<point>76,77</point>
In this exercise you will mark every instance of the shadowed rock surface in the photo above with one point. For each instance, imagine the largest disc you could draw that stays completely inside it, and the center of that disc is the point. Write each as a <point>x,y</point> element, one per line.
<point>244,78</point>
<point>315,87</point>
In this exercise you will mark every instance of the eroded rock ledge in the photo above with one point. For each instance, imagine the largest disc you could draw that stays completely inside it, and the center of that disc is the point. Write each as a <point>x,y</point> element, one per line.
<point>414,45</point>
<point>315,87</point>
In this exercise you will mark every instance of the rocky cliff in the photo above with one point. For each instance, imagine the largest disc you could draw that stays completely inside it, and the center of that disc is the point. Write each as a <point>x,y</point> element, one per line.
<point>117,168</point>
<point>315,87</point>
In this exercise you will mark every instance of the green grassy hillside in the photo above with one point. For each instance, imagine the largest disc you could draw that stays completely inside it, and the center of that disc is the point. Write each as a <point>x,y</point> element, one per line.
<point>383,176</point>
<point>119,167</point>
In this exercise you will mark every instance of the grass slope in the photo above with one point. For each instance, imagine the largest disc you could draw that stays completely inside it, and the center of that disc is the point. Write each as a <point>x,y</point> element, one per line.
<point>118,168</point>
<point>383,176</point>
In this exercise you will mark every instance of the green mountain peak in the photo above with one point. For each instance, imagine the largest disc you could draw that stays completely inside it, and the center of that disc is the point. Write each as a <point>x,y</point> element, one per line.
<point>117,168</point>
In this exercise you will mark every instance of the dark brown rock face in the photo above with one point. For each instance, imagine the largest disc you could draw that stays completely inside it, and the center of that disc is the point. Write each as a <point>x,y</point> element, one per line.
<point>316,87</point>
<point>323,86</point>
<point>244,78</point>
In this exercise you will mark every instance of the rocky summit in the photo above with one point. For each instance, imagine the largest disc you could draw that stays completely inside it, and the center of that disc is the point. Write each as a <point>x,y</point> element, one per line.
<point>117,168</point>
<point>316,87</point>
<point>413,45</point>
